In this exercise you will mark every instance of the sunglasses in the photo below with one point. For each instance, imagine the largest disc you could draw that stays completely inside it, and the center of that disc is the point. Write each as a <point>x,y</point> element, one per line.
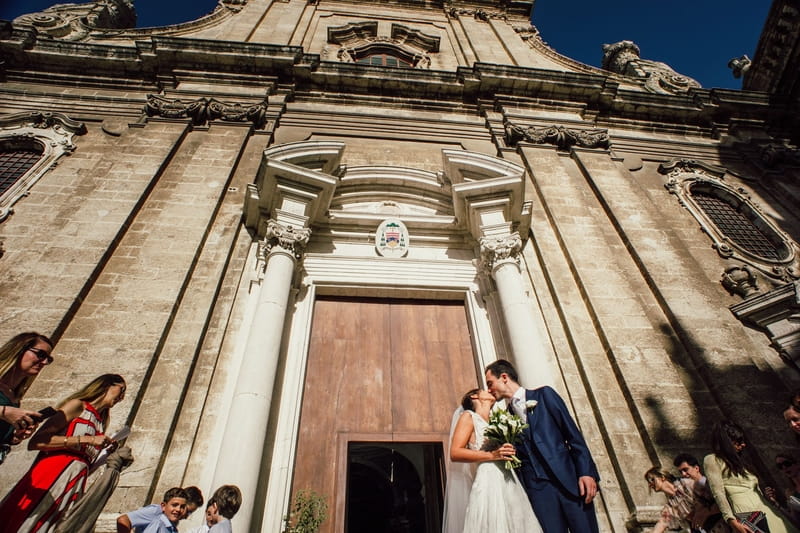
<point>784,464</point>
<point>41,355</point>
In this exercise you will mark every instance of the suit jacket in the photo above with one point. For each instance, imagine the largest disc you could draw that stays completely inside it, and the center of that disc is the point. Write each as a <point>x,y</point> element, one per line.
<point>553,438</point>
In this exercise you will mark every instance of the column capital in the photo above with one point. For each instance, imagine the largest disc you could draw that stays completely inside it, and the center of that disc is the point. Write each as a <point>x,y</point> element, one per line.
<point>497,250</point>
<point>281,238</point>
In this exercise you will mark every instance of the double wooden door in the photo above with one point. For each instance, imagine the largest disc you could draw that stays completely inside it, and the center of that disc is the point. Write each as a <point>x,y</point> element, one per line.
<point>381,375</point>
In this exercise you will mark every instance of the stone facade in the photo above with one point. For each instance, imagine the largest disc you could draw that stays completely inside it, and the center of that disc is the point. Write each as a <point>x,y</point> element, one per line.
<point>201,184</point>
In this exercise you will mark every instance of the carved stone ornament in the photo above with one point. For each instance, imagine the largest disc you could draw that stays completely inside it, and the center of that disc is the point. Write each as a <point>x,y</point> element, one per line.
<point>202,110</point>
<point>52,132</point>
<point>688,177</point>
<point>496,250</point>
<point>741,280</point>
<point>75,22</point>
<point>528,32</point>
<point>623,58</point>
<point>774,155</point>
<point>563,138</point>
<point>739,65</point>
<point>287,238</point>
<point>484,15</point>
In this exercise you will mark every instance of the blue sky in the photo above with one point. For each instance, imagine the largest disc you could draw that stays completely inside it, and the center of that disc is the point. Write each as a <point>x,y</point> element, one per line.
<point>694,37</point>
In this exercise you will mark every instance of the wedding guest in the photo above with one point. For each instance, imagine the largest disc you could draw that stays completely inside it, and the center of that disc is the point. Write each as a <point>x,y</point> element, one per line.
<point>67,442</point>
<point>678,512</point>
<point>227,500</point>
<point>792,414</point>
<point>791,507</point>
<point>706,513</point>
<point>734,486</point>
<point>21,360</point>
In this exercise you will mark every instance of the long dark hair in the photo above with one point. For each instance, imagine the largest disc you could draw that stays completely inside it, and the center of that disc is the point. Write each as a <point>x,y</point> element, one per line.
<point>723,437</point>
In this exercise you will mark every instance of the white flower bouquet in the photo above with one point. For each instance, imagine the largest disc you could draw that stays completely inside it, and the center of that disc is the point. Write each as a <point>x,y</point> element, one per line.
<point>504,427</point>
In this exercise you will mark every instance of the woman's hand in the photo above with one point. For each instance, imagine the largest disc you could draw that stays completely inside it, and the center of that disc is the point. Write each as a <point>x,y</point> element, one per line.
<point>100,441</point>
<point>738,526</point>
<point>504,452</point>
<point>20,418</point>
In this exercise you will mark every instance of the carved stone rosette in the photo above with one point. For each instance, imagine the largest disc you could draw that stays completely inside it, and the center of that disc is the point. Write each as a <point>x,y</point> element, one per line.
<point>563,138</point>
<point>287,238</point>
<point>496,250</point>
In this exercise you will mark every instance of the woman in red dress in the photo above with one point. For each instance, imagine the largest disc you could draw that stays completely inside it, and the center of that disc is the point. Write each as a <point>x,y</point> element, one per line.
<point>68,443</point>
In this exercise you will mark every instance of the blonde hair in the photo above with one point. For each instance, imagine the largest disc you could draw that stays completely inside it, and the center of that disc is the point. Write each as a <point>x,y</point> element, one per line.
<point>11,352</point>
<point>96,389</point>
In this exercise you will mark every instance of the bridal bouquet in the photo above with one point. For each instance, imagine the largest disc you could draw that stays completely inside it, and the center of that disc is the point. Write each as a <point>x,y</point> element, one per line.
<point>504,427</point>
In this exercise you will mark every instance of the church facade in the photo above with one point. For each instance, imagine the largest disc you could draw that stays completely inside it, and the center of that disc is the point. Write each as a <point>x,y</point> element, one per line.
<point>300,229</point>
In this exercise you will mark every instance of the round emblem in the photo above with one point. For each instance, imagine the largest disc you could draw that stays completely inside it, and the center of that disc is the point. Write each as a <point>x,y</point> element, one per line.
<point>391,239</point>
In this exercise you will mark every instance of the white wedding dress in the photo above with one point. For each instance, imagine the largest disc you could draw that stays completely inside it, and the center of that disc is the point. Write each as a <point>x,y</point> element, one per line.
<point>497,502</point>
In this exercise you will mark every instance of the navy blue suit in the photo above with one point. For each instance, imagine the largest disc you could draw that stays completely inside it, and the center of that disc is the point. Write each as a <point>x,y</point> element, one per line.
<point>554,455</point>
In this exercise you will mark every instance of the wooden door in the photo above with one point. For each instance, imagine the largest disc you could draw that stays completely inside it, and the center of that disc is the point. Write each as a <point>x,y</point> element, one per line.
<point>378,371</point>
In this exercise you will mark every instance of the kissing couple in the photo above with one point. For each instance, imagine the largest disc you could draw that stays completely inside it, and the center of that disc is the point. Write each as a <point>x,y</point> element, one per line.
<point>554,488</point>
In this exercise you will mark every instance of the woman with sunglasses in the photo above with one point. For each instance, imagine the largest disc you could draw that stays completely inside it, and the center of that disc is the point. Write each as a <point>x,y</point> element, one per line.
<point>68,442</point>
<point>734,486</point>
<point>21,360</point>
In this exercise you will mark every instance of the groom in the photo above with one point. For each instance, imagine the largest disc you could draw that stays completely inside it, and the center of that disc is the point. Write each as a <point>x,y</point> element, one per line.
<point>557,470</point>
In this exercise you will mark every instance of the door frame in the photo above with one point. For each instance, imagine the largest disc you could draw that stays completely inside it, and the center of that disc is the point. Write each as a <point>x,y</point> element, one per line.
<point>330,275</point>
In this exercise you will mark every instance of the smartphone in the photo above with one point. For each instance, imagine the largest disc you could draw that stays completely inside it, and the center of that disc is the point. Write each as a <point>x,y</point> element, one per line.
<point>47,412</point>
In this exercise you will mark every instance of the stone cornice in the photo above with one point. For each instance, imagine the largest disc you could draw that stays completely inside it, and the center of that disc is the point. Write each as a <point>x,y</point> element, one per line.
<point>151,59</point>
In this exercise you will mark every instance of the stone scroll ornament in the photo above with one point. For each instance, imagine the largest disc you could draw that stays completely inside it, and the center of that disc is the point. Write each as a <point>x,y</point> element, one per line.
<point>623,58</point>
<point>288,238</point>
<point>500,249</point>
<point>202,110</point>
<point>75,22</point>
<point>563,138</point>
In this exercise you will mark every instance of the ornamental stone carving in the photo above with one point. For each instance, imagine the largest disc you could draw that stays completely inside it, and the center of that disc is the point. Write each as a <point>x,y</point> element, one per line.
<point>739,65</point>
<point>774,155</point>
<point>623,58</point>
<point>51,132</point>
<point>74,22</point>
<point>484,15</point>
<point>563,138</point>
<point>741,280</point>
<point>236,112</point>
<point>202,110</point>
<point>500,249</point>
<point>287,238</point>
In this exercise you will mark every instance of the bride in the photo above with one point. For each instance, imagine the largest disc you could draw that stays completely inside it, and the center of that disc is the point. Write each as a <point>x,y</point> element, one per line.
<point>481,494</point>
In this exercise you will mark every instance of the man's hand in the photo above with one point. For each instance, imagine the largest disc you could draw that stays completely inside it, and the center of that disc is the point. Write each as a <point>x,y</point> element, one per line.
<point>588,487</point>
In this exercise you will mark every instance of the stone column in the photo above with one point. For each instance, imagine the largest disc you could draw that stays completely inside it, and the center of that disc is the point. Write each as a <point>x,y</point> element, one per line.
<point>240,457</point>
<point>500,254</point>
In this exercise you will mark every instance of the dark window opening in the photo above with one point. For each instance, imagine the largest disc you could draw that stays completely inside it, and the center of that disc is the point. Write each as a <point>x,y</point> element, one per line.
<point>15,161</point>
<point>740,224</point>
<point>394,487</point>
<point>384,60</point>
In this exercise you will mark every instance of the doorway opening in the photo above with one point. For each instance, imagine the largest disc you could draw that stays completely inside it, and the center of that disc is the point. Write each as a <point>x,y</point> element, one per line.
<point>394,487</point>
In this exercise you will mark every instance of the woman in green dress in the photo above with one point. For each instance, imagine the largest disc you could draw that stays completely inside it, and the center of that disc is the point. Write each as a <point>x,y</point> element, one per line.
<point>733,484</point>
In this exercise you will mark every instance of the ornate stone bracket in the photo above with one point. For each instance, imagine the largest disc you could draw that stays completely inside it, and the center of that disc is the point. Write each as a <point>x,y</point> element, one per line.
<point>563,138</point>
<point>741,280</point>
<point>484,15</point>
<point>528,32</point>
<point>774,155</point>
<point>500,249</point>
<point>203,110</point>
<point>623,58</point>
